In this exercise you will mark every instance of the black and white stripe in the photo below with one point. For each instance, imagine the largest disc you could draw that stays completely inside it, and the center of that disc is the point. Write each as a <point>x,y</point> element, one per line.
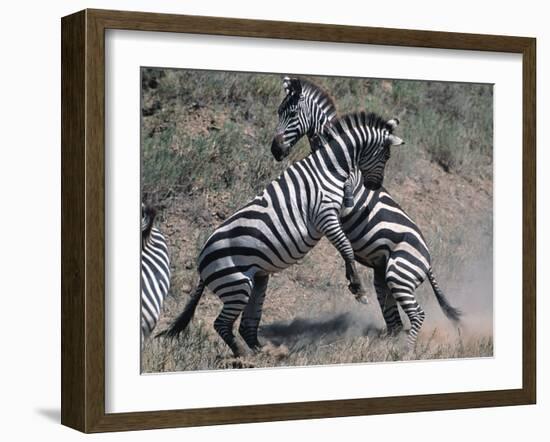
<point>382,235</point>
<point>281,225</point>
<point>155,271</point>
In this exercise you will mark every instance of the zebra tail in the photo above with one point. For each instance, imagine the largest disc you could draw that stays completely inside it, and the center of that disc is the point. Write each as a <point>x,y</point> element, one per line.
<point>451,312</point>
<point>181,323</point>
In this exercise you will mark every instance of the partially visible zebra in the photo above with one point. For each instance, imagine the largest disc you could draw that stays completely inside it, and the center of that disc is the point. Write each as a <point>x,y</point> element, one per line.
<point>280,226</point>
<point>382,235</point>
<point>155,271</point>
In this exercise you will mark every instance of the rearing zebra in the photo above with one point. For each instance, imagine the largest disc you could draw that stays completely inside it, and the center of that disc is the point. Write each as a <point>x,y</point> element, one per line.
<point>155,271</point>
<point>280,226</point>
<point>382,235</point>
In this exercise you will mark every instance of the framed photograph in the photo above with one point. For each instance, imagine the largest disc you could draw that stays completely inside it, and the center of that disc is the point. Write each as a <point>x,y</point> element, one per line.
<point>266,221</point>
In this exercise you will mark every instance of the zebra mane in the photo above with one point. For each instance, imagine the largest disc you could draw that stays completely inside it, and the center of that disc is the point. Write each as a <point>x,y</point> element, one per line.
<point>298,85</point>
<point>322,95</point>
<point>370,119</point>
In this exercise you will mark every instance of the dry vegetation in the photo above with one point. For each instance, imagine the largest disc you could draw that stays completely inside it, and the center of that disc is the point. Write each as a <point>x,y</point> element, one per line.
<point>205,147</point>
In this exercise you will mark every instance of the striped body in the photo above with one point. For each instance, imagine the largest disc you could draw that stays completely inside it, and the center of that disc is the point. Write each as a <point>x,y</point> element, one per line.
<point>276,229</point>
<point>281,225</point>
<point>155,278</point>
<point>382,235</point>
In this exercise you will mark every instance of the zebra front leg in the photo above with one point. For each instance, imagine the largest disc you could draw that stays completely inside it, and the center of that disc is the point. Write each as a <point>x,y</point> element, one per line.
<point>235,296</point>
<point>356,285</point>
<point>347,205</point>
<point>387,302</point>
<point>252,313</point>
<point>332,229</point>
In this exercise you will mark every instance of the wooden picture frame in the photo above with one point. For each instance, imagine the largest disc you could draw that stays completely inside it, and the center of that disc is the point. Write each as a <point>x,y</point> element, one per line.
<point>83,220</point>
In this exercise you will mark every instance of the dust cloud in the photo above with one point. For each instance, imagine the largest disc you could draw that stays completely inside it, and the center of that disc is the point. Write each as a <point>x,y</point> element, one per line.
<point>470,289</point>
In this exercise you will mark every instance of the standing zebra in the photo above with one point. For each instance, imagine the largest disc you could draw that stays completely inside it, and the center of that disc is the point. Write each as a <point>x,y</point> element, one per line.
<point>280,226</point>
<point>155,271</point>
<point>382,235</point>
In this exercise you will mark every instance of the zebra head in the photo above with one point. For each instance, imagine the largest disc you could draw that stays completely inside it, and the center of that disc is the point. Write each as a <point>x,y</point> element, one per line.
<point>291,125</point>
<point>365,140</point>
<point>372,162</point>
<point>305,110</point>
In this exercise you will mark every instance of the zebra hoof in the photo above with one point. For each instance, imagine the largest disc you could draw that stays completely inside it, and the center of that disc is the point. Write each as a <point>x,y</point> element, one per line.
<point>357,289</point>
<point>236,363</point>
<point>275,351</point>
<point>241,351</point>
<point>393,331</point>
<point>243,363</point>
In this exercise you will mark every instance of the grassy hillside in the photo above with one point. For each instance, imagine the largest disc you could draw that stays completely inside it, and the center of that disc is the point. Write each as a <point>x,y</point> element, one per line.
<point>206,140</point>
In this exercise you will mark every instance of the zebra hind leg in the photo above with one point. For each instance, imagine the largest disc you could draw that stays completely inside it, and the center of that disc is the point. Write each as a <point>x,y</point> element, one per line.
<point>235,296</point>
<point>404,295</point>
<point>387,302</point>
<point>252,313</point>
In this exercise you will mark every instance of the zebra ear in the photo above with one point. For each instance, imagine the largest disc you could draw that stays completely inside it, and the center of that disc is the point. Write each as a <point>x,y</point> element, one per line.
<point>286,84</point>
<point>395,141</point>
<point>292,86</point>
<point>393,123</point>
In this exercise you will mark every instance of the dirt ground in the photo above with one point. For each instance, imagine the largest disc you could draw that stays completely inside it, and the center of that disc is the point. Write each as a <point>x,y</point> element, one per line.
<point>308,308</point>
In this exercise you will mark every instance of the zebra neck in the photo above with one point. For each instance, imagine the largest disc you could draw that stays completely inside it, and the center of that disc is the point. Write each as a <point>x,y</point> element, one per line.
<point>314,134</point>
<point>334,163</point>
<point>352,139</point>
<point>317,116</point>
<point>317,126</point>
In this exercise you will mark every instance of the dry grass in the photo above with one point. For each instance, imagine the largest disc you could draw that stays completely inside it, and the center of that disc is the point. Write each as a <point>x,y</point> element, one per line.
<point>205,141</point>
<point>315,321</point>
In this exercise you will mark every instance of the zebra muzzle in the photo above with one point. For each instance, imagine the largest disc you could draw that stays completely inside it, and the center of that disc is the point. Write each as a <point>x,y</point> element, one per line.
<point>278,149</point>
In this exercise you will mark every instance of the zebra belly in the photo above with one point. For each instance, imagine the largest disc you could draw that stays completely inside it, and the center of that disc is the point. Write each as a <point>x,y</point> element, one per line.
<point>247,254</point>
<point>252,241</point>
<point>380,231</point>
